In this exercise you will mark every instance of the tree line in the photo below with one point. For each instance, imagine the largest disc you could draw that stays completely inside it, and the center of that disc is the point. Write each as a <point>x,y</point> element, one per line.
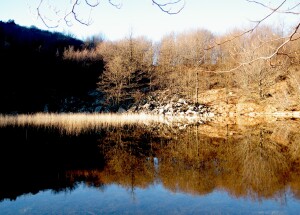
<point>45,68</point>
<point>189,63</point>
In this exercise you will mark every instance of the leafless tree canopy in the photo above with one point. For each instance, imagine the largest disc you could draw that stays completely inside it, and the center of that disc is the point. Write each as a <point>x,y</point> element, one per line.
<point>285,7</point>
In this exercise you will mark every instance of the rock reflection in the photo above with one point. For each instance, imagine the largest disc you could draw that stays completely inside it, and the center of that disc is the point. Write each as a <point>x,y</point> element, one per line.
<point>257,162</point>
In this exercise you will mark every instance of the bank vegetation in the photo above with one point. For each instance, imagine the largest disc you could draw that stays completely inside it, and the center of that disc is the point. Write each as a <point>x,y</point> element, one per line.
<point>257,71</point>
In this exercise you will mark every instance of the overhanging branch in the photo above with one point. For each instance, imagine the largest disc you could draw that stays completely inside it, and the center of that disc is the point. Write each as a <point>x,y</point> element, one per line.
<point>169,7</point>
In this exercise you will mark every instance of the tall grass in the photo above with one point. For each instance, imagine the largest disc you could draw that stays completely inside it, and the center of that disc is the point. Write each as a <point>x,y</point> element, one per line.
<point>78,122</point>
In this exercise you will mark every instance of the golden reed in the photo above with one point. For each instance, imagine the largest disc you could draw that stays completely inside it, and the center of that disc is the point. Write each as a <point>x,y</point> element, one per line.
<point>78,122</point>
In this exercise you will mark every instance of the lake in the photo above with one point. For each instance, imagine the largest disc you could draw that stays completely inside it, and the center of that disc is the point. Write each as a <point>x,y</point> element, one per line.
<point>83,164</point>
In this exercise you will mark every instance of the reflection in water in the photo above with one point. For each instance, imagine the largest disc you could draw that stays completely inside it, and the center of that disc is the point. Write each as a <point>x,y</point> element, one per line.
<point>257,162</point>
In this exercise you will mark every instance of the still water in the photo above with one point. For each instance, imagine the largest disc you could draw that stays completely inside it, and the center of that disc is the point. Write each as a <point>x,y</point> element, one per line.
<point>232,168</point>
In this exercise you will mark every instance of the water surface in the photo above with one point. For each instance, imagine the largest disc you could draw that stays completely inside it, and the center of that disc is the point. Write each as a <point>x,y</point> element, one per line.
<point>233,168</point>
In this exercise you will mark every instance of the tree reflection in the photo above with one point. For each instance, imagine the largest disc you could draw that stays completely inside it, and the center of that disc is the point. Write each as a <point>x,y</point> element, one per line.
<point>257,162</point>
<point>261,168</point>
<point>250,165</point>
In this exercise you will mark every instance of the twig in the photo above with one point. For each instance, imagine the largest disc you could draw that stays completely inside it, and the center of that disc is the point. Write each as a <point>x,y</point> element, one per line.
<point>250,30</point>
<point>163,7</point>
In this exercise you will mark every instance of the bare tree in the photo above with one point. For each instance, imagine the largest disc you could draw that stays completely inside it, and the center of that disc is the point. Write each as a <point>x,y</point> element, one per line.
<point>126,61</point>
<point>166,61</point>
<point>180,59</point>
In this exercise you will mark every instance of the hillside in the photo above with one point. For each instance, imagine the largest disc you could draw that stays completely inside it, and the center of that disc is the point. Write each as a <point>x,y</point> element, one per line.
<point>52,72</point>
<point>34,74</point>
<point>280,95</point>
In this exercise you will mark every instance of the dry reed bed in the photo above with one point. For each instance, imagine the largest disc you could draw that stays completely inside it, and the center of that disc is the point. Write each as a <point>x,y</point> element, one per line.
<point>78,122</point>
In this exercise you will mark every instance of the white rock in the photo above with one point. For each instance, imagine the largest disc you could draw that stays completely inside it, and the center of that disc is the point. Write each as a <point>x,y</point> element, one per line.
<point>210,114</point>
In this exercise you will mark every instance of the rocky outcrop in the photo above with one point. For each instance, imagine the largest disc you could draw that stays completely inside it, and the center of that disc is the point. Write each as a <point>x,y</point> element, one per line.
<point>173,108</point>
<point>169,105</point>
<point>177,111</point>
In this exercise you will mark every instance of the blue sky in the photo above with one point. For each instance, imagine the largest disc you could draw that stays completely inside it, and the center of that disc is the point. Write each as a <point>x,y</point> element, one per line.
<point>143,18</point>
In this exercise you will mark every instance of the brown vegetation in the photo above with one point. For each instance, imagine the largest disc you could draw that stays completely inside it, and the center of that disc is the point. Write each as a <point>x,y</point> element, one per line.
<point>246,161</point>
<point>230,75</point>
<point>128,67</point>
<point>258,66</point>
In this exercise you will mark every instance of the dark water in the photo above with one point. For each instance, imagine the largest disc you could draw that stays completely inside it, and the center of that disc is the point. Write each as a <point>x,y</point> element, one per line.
<point>207,169</point>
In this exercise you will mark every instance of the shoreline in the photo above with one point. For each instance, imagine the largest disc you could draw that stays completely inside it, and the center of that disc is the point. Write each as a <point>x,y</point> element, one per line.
<point>278,114</point>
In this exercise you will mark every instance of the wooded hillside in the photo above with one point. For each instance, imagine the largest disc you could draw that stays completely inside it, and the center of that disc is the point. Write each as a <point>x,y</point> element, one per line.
<point>249,71</point>
<point>34,72</point>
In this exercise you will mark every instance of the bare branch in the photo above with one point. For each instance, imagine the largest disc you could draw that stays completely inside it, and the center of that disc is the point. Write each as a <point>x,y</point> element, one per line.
<point>268,15</point>
<point>263,57</point>
<point>292,8</point>
<point>75,16</point>
<point>288,39</point>
<point>268,41</point>
<point>288,11</point>
<point>118,6</point>
<point>43,18</point>
<point>71,12</point>
<point>92,4</point>
<point>167,7</point>
<point>294,33</point>
<point>229,40</point>
<point>274,10</point>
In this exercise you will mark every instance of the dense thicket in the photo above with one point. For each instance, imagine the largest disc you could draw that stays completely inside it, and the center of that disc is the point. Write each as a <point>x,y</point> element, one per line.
<point>34,72</point>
